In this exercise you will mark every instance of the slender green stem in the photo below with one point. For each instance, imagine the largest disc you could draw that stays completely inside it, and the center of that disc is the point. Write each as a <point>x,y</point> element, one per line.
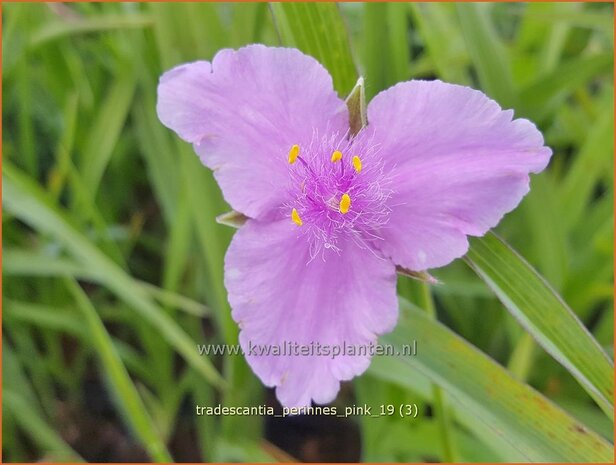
<point>439,408</point>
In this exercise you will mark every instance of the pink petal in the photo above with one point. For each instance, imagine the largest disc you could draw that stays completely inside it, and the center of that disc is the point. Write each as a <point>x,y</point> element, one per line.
<point>244,111</point>
<point>458,164</point>
<point>278,294</point>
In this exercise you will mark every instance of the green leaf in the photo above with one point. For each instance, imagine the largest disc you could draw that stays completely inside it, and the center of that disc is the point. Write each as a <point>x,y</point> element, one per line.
<point>107,128</point>
<point>212,238</point>
<point>23,198</point>
<point>487,52</point>
<point>56,30</point>
<point>600,21</point>
<point>45,316</point>
<point>22,263</point>
<point>443,40</point>
<point>485,397</point>
<point>546,231</point>
<point>14,374</point>
<point>385,48</point>
<point>126,392</point>
<point>543,95</point>
<point>158,153</point>
<point>593,163</point>
<point>317,29</point>
<point>531,300</point>
<point>36,428</point>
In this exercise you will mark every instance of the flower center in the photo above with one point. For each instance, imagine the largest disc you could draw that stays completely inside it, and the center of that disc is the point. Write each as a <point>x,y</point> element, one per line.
<point>337,190</point>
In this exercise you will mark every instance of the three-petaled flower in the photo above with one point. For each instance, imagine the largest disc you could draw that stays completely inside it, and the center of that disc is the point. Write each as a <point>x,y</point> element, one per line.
<point>331,213</point>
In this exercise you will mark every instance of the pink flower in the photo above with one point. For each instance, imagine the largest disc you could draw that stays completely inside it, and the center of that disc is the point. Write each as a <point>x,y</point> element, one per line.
<point>331,215</point>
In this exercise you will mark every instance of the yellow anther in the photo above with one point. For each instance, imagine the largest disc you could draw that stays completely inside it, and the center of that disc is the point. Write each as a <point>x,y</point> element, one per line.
<point>295,217</point>
<point>293,153</point>
<point>345,203</point>
<point>336,156</point>
<point>357,163</point>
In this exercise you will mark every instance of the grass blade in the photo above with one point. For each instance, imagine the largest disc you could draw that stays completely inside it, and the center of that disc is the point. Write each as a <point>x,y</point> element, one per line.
<point>529,298</point>
<point>107,128</point>
<point>37,429</point>
<point>593,164</point>
<point>126,393</point>
<point>443,40</point>
<point>529,424</point>
<point>24,199</point>
<point>385,46</point>
<point>543,95</point>
<point>318,30</point>
<point>58,29</point>
<point>487,52</point>
<point>22,263</point>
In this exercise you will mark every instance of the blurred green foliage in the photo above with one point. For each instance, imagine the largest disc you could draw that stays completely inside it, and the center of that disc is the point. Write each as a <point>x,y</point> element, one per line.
<point>112,259</point>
